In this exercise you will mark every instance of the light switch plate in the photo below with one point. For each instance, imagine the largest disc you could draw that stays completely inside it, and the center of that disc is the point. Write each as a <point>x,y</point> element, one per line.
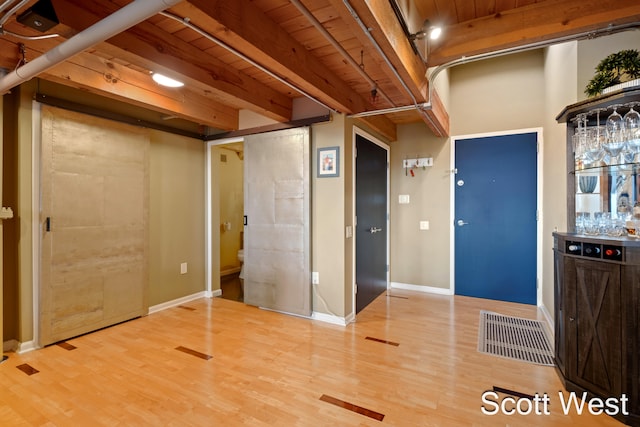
<point>315,278</point>
<point>424,225</point>
<point>403,199</point>
<point>183,268</point>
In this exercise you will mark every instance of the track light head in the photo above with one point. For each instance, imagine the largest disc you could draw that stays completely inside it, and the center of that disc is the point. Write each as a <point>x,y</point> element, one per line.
<point>427,30</point>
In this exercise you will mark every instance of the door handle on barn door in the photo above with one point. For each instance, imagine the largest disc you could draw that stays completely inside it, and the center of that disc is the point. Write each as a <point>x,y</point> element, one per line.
<point>47,224</point>
<point>374,230</point>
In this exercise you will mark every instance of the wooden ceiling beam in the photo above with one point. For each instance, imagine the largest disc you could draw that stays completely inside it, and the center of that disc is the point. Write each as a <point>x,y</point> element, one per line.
<point>94,74</point>
<point>241,25</point>
<point>244,27</point>
<point>537,22</point>
<point>99,76</point>
<point>114,81</point>
<point>9,54</point>
<point>147,46</point>
<point>384,27</point>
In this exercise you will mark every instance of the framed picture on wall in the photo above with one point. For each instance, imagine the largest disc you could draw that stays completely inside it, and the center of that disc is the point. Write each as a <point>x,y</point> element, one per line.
<point>328,162</point>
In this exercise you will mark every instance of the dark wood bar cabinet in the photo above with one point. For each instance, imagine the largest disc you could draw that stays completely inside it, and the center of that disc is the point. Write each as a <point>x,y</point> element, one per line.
<point>597,275</point>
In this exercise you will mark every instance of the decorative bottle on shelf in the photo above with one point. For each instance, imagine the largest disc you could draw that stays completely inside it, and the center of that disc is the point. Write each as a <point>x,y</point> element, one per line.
<point>624,207</point>
<point>636,211</point>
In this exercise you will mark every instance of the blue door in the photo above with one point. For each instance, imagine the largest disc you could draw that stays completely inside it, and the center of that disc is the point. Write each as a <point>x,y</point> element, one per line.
<point>496,217</point>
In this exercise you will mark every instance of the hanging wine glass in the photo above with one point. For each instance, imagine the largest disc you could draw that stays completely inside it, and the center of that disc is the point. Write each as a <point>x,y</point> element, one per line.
<point>615,137</point>
<point>580,143</point>
<point>595,140</point>
<point>632,130</point>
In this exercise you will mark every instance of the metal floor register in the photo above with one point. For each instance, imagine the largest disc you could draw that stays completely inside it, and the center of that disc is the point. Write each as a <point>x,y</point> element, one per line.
<point>514,338</point>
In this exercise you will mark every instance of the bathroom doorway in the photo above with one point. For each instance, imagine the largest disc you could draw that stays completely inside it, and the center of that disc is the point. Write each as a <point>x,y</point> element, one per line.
<point>228,162</point>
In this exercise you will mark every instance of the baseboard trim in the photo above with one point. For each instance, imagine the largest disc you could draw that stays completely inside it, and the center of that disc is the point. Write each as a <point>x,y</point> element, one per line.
<point>548,318</point>
<point>17,347</point>
<point>176,302</point>
<point>329,318</point>
<point>350,318</point>
<point>420,288</point>
<point>213,294</point>
<point>26,347</point>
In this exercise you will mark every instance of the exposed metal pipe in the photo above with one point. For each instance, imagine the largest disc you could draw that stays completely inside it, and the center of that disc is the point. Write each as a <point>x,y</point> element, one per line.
<point>400,109</point>
<point>312,19</point>
<point>186,22</point>
<point>20,36</point>
<point>6,4</point>
<point>8,15</point>
<point>531,46</point>
<point>117,22</point>
<point>518,49</point>
<point>420,107</point>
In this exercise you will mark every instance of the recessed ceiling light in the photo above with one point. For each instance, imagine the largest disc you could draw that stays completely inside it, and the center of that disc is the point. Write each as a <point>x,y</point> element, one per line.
<point>166,81</point>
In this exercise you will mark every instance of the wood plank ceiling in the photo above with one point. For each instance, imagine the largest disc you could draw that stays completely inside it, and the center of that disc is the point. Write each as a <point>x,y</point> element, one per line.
<point>352,56</point>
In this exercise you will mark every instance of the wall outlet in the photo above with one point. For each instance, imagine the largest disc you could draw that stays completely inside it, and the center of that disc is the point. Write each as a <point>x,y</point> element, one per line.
<point>183,268</point>
<point>315,278</point>
<point>424,225</point>
<point>403,199</point>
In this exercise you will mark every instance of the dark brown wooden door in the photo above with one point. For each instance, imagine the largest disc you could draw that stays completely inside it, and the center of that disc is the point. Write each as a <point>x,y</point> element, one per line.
<point>560,312</point>
<point>595,324</point>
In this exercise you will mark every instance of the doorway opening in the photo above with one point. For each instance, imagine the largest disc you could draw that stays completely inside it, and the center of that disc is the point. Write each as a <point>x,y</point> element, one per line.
<point>227,192</point>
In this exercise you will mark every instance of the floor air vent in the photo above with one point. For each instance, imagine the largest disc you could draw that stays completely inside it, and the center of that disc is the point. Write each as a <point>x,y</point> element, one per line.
<point>514,338</point>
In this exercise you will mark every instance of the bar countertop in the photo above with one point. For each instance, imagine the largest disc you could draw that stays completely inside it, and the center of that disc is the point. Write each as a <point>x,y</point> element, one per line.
<point>624,241</point>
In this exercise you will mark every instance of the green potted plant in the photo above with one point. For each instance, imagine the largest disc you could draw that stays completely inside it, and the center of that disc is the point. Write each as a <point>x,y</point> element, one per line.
<point>616,68</point>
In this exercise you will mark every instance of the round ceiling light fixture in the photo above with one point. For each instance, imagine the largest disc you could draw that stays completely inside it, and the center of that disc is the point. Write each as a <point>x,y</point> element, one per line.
<point>435,32</point>
<point>163,80</point>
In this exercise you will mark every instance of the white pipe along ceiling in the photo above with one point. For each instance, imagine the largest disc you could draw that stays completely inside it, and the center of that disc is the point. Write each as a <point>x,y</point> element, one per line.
<point>4,7</point>
<point>117,22</point>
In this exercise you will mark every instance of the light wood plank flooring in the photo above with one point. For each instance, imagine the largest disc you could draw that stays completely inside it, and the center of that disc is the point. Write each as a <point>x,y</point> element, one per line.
<point>410,358</point>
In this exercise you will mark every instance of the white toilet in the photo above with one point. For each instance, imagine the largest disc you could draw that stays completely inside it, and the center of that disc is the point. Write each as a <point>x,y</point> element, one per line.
<point>241,259</point>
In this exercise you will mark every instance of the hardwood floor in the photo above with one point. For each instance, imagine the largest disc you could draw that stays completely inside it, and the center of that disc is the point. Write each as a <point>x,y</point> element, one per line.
<point>410,360</point>
<point>230,286</point>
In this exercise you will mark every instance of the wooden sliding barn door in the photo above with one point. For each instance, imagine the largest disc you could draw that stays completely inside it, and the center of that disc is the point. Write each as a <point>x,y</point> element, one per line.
<point>94,216</point>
